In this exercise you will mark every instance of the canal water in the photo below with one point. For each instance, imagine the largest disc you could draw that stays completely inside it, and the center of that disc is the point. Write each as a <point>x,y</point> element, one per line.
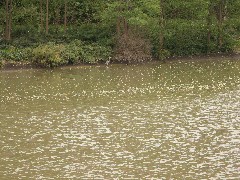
<point>174,120</point>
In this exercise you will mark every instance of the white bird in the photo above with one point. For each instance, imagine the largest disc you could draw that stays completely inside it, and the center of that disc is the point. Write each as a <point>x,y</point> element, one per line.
<point>108,61</point>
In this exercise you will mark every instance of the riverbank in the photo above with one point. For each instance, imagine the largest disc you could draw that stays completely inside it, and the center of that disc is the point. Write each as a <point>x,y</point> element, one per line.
<point>50,55</point>
<point>219,56</point>
<point>13,65</point>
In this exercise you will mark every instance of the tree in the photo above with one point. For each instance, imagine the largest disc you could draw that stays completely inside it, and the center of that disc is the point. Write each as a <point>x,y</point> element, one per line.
<point>161,24</point>
<point>8,20</point>
<point>174,26</point>
<point>221,13</point>
<point>209,25</point>
<point>47,16</point>
<point>41,15</point>
<point>65,16</point>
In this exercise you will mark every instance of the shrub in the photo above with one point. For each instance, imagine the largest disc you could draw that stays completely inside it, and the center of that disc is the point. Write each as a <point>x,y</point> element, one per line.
<point>183,38</point>
<point>163,54</point>
<point>78,52</point>
<point>132,48</point>
<point>15,54</point>
<point>93,33</point>
<point>49,55</point>
<point>94,53</point>
<point>53,55</point>
<point>73,52</point>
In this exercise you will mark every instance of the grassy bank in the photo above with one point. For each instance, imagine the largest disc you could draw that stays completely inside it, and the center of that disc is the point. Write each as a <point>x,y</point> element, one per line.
<point>19,65</point>
<point>77,52</point>
<point>51,55</point>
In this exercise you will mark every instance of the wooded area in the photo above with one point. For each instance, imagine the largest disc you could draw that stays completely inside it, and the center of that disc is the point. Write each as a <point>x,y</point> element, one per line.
<point>83,31</point>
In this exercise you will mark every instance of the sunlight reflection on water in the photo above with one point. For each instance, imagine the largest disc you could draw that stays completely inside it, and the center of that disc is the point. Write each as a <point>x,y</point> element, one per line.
<point>177,120</point>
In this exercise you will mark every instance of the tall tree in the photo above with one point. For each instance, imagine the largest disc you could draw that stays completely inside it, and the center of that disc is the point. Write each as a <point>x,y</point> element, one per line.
<point>209,24</point>
<point>161,24</point>
<point>65,16</point>
<point>221,16</point>
<point>8,20</point>
<point>57,16</point>
<point>41,15</point>
<point>47,18</point>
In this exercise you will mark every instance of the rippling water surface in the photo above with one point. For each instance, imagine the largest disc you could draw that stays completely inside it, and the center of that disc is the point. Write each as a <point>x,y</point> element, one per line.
<point>178,120</point>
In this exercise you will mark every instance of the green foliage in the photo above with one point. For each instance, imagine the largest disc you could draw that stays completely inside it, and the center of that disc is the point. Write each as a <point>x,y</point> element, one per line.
<point>53,55</point>
<point>237,47</point>
<point>185,38</point>
<point>94,53</point>
<point>163,54</point>
<point>193,10</point>
<point>92,33</point>
<point>184,25</point>
<point>15,54</point>
<point>73,52</point>
<point>78,52</point>
<point>48,55</point>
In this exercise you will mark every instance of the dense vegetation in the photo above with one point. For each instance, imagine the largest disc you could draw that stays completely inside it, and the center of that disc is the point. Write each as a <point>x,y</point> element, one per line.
<point>50,33</point>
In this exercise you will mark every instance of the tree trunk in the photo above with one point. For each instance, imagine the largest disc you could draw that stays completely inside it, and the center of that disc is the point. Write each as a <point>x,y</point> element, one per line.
<point>125,21</point>
<point>47,14</point>
<point>57,18</point>
<point>208,39</point>
<point>118,27</point>
<point>65,16</point>
<point>125,27</point>
<point>7,21</point>
<point>220,23</point>
<point>209,24</point>
<point>10,21</point>
<point>41,15</point>
<point>161,24</point>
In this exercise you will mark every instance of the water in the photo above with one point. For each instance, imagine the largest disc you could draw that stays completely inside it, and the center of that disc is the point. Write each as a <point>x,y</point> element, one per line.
<point>178,120</point>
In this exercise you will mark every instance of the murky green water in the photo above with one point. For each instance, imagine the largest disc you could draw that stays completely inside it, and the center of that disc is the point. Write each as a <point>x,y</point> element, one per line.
<point>179,120</point>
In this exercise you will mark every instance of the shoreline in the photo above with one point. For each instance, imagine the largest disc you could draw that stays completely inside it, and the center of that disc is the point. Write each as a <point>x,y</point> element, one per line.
<point>8,66</point>
<point>218,56</point>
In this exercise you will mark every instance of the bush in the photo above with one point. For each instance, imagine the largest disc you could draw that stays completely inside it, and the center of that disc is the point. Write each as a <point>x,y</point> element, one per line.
<point>78,52</point>
<point>163,54</point>
<point>49,55</point>
<point>132,48</point>
<point>183,38</point>
<point>94,53</point>
<point>15,54</point>
<point>53,55</point>
<point>93,33</point>
<point>73,52</point>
